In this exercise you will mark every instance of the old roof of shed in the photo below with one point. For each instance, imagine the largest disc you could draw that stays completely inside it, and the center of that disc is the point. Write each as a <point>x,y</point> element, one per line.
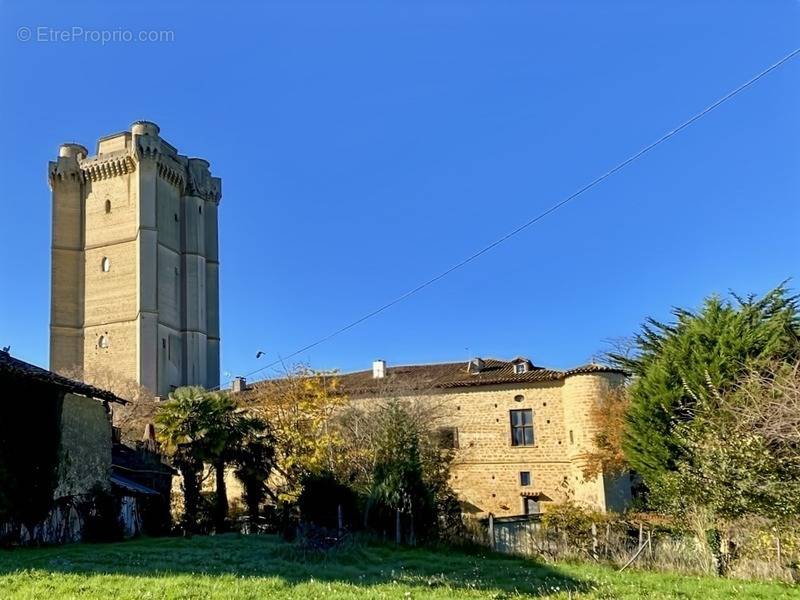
<point>456,375</point>
<point>20,368</point>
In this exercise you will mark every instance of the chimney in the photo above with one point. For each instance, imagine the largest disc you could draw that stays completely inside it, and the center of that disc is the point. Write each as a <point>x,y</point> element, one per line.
<point>239,384</point>
<point>378,369</point>
<point>149,438</point>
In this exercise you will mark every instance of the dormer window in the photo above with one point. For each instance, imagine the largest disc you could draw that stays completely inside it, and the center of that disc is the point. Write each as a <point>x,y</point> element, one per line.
<point>475,365</point>
<point>521,365</point>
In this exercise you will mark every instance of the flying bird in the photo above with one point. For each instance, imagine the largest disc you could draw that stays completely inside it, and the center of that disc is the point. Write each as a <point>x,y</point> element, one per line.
<point>259,354</point>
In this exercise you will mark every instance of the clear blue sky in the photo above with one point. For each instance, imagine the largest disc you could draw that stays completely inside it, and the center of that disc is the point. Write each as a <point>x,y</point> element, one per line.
<point>365,146</point>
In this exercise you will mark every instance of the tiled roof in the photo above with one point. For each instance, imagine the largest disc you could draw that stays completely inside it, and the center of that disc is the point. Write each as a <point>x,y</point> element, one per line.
<point>457,375</point>
<point>132,486</point>
<point>20,368</point>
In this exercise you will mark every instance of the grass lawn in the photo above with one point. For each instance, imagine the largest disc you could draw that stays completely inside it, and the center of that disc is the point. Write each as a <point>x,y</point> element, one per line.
<point>233,566</point>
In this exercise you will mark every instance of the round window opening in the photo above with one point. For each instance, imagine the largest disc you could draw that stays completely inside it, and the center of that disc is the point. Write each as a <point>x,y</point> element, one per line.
<point>105,264</point>
<point>519,398</point>
<point>103,341</point>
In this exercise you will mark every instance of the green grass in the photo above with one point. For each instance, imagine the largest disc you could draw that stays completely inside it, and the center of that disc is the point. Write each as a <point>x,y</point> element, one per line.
<point>233,566</point>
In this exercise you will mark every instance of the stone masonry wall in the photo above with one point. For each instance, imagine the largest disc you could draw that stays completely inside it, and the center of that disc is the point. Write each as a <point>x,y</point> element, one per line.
<point>85,453</point>
<point>486,471</point>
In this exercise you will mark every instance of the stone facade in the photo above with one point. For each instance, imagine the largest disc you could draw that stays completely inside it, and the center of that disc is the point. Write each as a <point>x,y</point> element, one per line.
<point>135,262</point>
<point>85,447</point>
<point>487,470</point>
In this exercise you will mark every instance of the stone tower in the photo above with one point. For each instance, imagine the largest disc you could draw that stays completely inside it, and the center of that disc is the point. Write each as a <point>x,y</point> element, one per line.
<point>135,262</point>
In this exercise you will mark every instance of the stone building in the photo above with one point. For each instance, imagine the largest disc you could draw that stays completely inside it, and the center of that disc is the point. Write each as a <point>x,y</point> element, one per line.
<point>55,450</point>
<point>58,451</point>
<point>135,262</point>
<point>520,431</point>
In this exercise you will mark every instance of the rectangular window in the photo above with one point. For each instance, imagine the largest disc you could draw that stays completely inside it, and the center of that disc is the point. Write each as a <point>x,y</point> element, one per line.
<point>447,438</point>
<point>531,506</point>
<point>522,427</point>
<point>524,478</point>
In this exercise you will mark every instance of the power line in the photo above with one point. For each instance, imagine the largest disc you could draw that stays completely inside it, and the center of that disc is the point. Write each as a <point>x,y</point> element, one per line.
<point>540,216</point>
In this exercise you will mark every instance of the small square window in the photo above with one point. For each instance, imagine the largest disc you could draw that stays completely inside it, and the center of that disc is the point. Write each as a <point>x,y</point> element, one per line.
<point>525,478</point>
<point>519,368</point>
<point>447,438</point>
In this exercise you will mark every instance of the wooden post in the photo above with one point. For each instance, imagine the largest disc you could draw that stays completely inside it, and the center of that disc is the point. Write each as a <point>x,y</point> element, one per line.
<point>594,541</point>
<point>491,531</point>
<point>649,544</point>
<point>340,517</point>
<point>397,532</point>
<point>778,549</point>
<point>608,537</point>
<point>641,534</point>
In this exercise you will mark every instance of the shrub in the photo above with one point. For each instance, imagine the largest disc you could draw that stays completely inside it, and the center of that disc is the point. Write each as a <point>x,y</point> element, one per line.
<point>321,498</point>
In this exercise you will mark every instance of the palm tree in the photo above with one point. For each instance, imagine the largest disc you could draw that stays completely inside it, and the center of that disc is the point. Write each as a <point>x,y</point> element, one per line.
<point>181,423</point>
<point>198,427</point>
<point>254,457</point>
<point>221,437</point>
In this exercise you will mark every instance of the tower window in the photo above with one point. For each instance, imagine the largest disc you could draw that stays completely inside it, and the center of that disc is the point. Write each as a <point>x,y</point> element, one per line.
<point>524,478</point>
<point>176,217</point>
<point>108,206</point>
<point>200,209</point>
<point>105,264</point>
<point>102,341</point>
<point>522,427</point>
<point>571,438</point>
<point>519,398</point>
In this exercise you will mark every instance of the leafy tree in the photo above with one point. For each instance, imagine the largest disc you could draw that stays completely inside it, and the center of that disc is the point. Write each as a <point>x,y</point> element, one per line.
<point>745,447</point>
<point>681,367</point>
<point>398,481</point>
<point>376,438</point>
<point>609,414</point>
<point>299,408</point>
